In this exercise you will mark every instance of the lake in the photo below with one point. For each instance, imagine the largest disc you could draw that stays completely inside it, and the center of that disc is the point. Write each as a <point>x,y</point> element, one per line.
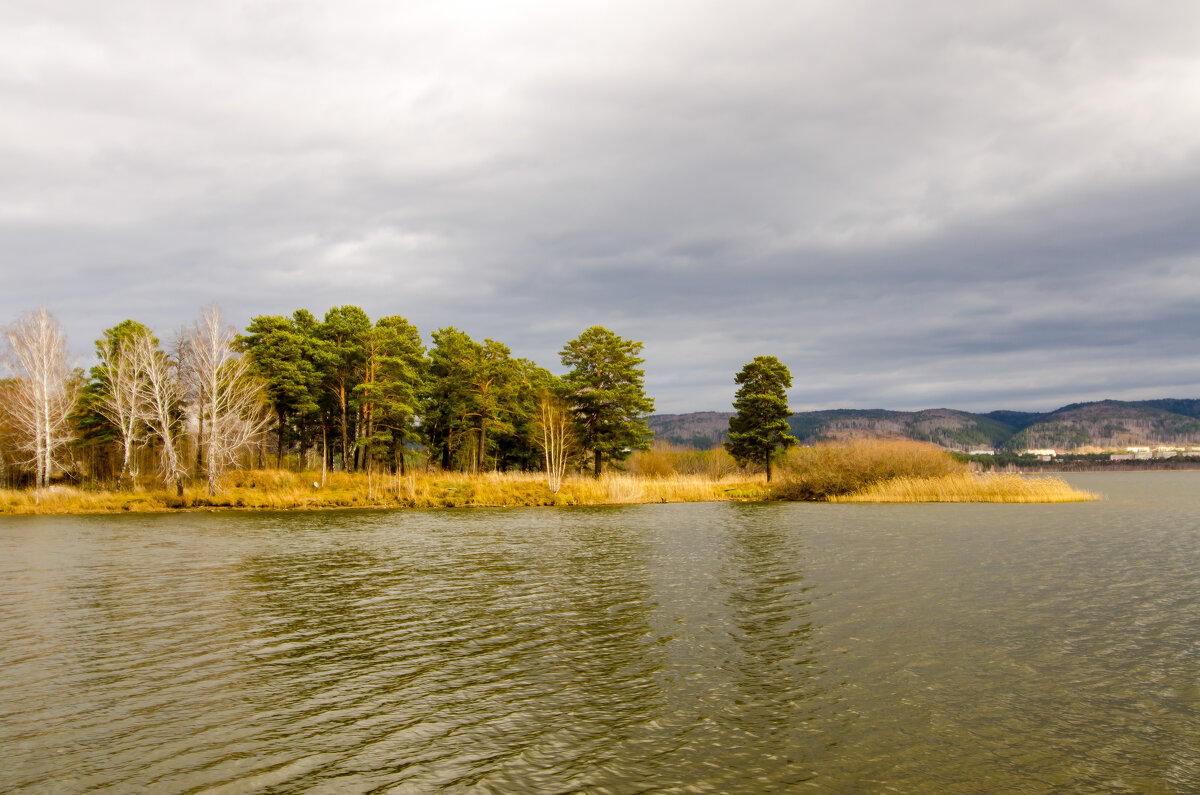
<point>678,648</point>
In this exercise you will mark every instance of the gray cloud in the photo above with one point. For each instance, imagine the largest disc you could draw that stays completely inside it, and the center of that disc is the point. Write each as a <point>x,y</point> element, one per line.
<point>911,206</point>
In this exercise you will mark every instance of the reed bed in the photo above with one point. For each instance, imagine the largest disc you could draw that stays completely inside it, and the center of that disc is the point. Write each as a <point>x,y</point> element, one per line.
<point>829,470</point>
<point>281,490</point>
<point>875,470</point>
<point>970,487</point>
<point>862,471</point>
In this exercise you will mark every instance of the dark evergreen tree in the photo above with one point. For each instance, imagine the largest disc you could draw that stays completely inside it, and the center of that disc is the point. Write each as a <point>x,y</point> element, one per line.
<point>280,356</point>
<point>760,427</point>
<point>445,424</point>
<point>389,395</point>
<point>517,446</point>
<point>345,332</point>
<point>605,388</point>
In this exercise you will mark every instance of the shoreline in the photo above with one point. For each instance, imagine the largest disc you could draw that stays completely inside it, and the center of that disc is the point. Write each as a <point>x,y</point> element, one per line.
<point>266,490</point>
<point>272,490</point>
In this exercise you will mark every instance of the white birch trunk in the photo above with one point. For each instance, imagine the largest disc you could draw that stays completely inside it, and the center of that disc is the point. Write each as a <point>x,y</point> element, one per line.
<point>232,405</point>
<point>45,393</point>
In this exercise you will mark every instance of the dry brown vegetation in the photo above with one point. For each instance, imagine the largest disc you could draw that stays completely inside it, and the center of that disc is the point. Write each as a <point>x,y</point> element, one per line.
<point>861,471</point>
<point>281,490</point>
<point>829,470</point>
<point>970,487</point>
<point>873,470</point>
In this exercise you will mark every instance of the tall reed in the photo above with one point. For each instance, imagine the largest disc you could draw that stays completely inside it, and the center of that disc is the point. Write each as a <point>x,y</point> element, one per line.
<point>280,490</point>
<point>970,487</point>
<point>829,470</point>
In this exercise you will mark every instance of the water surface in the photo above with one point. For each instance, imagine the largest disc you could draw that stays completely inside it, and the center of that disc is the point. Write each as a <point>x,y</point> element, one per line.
<point>688,648</point>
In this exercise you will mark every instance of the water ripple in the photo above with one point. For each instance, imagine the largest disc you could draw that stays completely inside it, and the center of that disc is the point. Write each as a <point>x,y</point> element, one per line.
<point>710,648</point>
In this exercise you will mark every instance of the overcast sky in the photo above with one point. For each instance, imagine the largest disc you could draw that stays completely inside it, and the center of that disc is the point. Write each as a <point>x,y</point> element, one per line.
<point>912,205</point>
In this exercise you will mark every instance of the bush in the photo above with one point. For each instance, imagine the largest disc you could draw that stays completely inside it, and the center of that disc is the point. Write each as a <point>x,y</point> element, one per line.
<point>829,470</point>
<point>652,464</point>
<point>664,460</point>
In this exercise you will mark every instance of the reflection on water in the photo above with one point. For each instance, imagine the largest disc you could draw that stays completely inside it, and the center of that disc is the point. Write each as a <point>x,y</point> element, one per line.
<point>708,648</point>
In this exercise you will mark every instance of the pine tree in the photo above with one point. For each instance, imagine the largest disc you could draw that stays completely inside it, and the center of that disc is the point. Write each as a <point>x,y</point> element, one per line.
<point>607,394</point>
<point>760,425</point>
<point>276,347</point>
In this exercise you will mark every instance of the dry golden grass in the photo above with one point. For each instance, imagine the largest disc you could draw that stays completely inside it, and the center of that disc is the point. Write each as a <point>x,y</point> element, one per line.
<point>861,471</point>
<point>875,470</point>
<point>829,470</point>
<point>281,490</point>
<point>969,487</point>
<point>66,499</point>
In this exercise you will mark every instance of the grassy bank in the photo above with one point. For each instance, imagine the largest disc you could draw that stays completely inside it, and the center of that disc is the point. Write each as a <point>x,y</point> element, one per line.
<point>276,490</point>
<point>863,471</point>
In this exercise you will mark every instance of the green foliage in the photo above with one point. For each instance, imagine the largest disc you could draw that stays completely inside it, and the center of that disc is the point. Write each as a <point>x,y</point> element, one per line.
<point>760,427</point>
<point>448,397</point>
<point>606,391</point>
<point>481,404</point>
<point>389,393</point>
<point>345,332</point>
<point>516,446</point>
<point>281,352</point>
<point>91,427</point>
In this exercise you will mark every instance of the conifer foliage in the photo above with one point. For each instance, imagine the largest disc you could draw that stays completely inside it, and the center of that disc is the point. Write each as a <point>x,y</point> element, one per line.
<point>760,427</point>
<point>606,391</point>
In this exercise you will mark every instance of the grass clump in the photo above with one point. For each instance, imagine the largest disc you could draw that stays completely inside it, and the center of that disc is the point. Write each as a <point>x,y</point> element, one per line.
<point>970,487</point>
<point>831,470</point>
<point>872,470</point>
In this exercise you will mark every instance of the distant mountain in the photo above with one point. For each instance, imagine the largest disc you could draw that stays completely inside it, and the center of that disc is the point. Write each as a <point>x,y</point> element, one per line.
<point>700,429</point>
<point>1106,423</point>
<point>1109,423</point>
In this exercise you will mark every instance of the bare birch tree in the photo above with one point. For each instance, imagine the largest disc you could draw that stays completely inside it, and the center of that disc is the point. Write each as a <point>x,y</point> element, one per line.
<point>230,402</point>
<point>555,427</point>
<point>161,401</point>
<point>46,389</point>
<point>120,397</point>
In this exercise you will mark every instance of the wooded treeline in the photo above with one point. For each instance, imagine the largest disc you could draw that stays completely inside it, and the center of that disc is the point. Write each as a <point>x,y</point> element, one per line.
<point>298,392</point>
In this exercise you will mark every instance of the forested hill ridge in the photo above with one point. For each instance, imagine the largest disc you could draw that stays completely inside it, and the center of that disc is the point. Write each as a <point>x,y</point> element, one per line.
<point>1102,424</point>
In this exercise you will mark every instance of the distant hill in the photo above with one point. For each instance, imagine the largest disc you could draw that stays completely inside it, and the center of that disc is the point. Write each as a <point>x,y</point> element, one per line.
<point>700,429</point>
<point>1109,423</point>
<point>1106,423</point>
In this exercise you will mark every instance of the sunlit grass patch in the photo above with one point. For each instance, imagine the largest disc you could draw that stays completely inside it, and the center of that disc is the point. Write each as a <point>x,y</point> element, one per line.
<point>828,470</point>
<point>282,490</point>
<point>970,487</point>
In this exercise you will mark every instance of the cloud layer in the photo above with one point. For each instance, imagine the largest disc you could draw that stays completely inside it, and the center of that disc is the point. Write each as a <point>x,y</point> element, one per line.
<point>975,207</point>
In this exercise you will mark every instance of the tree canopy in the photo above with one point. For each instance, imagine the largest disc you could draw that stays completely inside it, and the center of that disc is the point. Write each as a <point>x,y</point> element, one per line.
<point>606,391</point>
<point>338,392</point>
<point>760,428</point>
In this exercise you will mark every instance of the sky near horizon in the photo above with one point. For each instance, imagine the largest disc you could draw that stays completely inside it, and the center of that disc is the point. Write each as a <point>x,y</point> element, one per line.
<point>976,206</point>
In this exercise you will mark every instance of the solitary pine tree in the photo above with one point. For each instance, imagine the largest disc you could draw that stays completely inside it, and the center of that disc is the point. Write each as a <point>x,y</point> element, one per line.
<point>606,393</point>
<point>760,424</point>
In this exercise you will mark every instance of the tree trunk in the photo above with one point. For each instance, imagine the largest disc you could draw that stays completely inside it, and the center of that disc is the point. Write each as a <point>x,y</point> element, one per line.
<point>596,473</point>
<point>345,432</point>
<point>768,465</point>
<point>200,444</point>
<point>279,449</point>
